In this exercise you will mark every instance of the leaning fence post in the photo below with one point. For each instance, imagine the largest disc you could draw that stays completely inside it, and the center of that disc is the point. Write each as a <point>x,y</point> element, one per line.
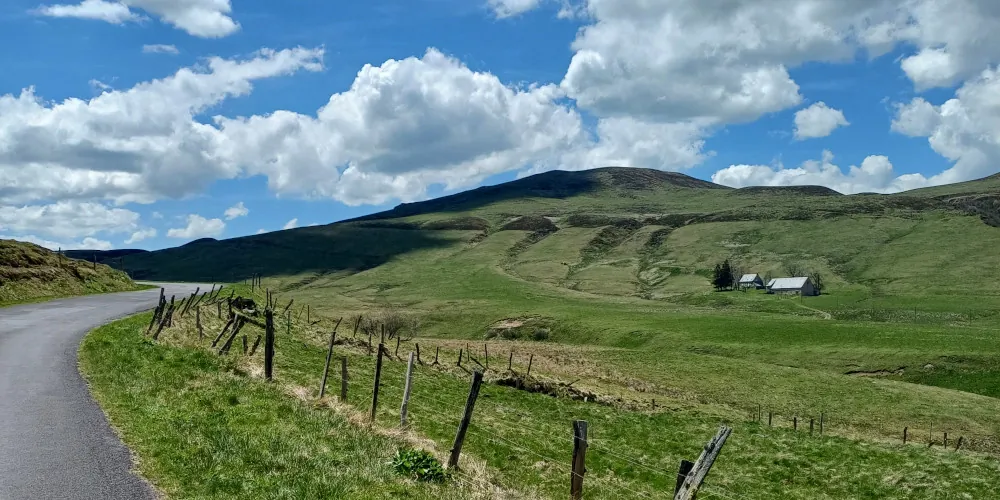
<point>579,459</point>
<point>486,354</point>
<point>326,369</point>
<point>510,360</point>
<point>436,352</point>
<point>703,465</point>
<point>406,391</point>
<point>329,354</point>
<point>530,361</point>
<point>343,379</point>
<point>269,344</point>
<point>378,377</point>
<point>682,474</point>
<point>463,426</point>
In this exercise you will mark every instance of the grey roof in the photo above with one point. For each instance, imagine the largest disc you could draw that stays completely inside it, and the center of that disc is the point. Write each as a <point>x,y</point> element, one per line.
<point>788,283</point>
<point>749,278</point>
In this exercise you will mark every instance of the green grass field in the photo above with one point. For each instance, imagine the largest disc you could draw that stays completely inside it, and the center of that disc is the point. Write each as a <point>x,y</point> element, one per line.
<point>615,287</point>
<point>209,427</point>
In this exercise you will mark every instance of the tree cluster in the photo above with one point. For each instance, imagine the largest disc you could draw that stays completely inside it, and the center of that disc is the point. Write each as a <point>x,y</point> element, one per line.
<point>723,278</point>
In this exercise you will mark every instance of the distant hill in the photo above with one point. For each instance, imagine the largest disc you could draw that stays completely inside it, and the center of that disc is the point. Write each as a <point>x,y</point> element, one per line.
<point>28,272</point>
<point>101,255</point>
<point>625,231</point>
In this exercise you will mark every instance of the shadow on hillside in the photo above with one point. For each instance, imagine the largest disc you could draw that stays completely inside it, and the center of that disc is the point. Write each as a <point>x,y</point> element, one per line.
<point>323,249</point>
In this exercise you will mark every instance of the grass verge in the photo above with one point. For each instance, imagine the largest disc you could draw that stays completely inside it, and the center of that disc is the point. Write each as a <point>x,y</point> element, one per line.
<point>201,429</point>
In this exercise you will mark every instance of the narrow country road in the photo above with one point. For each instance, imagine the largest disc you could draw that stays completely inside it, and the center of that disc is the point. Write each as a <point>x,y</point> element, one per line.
<point>55,442</point>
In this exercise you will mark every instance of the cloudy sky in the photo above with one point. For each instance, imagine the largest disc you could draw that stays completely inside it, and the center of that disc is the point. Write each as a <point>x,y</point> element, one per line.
<point>148,123</point>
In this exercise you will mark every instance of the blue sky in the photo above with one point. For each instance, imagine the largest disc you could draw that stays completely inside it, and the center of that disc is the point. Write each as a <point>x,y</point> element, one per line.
<point>146,116</point>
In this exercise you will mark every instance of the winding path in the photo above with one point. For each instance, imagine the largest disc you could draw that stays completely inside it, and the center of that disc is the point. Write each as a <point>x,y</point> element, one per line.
<point>55,442</point>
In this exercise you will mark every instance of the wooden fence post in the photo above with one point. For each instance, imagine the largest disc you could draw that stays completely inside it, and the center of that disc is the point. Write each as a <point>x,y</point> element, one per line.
<point>579,459</point>
<point>769,416</point>
<point>795,423</point>
<point>223,332</point>
<point>406,391</point>
<point>343,379</point>
<point>682,474</point>
<point>269,344</point>
<point>417,345</point>
<point>397,346</point>
<point>329,354</point>
<point>163,322</point>
<point>459,356</point>
<point>326,369</point>
<point>463,426</point>
<point>530,361</point>
<point>197,322</point>
<point>486,354</point>
<point>378,378</point>
<point>256,343</point>
<point>510,361</point>
<point>905,431</point>
<point>170,320</point>
<point>436,352</point>
<point>703,465</point>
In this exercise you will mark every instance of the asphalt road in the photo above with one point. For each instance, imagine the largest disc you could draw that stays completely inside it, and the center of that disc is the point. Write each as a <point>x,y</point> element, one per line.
<point>55,442</point>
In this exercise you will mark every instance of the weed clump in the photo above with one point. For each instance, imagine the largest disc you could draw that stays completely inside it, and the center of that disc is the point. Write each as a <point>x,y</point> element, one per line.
<point>419,465</point>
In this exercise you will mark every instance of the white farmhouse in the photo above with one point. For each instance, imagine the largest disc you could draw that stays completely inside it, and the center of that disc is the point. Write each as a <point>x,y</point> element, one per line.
<point>751,281</point>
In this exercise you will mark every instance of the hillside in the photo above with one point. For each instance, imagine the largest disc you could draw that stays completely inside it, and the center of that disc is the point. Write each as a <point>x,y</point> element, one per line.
<point>29,272</point>
<point>643,233</point>
<point>599,281</point>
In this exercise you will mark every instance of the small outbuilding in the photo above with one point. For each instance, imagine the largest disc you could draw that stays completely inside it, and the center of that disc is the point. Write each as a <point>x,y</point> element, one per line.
<point>751,281</point>
<point>800,286</point>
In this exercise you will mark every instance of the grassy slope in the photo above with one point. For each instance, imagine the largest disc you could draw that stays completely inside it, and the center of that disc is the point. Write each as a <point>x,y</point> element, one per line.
<point>202,431</point>
<point>898,269</point>
<point>205,426</point>
<point>29,273</point>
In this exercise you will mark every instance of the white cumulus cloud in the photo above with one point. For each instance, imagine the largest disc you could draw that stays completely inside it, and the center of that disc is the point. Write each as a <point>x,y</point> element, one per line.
<point>875,175</point>
<point>198,227</point>
<point>201,18</point>
<point>818,120</point>
<point>135,145</point>
<point>237,210</point>
<point>85,244</point>
<point>964,129</point>
<point>99,10</point>
<point>143,234</point>
<point>67,219</point>
<point>292,224</point>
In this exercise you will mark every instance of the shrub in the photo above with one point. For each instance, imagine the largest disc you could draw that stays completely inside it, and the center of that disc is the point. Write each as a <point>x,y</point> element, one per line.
<point>419,465</point>
<point>540,334</point>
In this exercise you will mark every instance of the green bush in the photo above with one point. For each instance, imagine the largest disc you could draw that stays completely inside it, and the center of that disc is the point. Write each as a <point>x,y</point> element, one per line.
<point>418,464</point>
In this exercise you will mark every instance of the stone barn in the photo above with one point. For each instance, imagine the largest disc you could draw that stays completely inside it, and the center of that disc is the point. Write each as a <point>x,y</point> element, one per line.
<point>800,286</point>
